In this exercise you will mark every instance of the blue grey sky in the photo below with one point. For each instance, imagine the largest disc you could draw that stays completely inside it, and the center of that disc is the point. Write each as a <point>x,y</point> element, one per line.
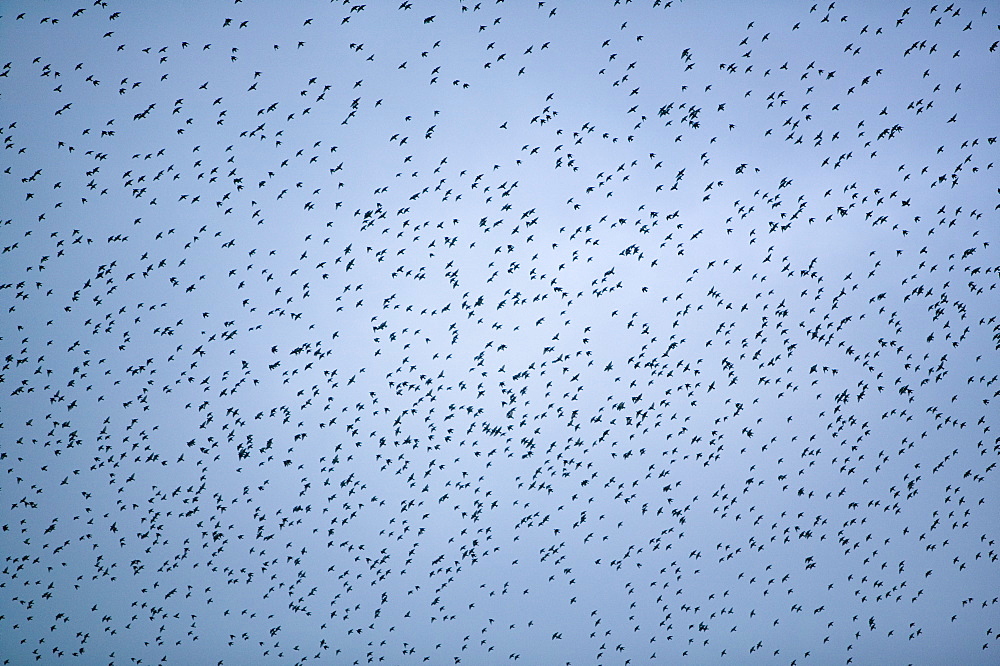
<point>611,332</point>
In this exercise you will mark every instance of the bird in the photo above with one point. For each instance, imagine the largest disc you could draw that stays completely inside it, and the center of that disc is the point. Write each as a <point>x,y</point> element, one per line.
<point>304,349</point>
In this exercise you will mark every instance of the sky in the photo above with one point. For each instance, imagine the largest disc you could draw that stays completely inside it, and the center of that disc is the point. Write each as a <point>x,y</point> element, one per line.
<point>611,332</point>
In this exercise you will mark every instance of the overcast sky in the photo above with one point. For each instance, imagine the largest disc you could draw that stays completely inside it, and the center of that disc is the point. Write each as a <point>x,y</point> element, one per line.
<point>587,332</point>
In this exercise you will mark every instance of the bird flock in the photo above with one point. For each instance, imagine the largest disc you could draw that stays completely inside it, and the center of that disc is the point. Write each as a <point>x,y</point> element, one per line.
<point>612,332</point>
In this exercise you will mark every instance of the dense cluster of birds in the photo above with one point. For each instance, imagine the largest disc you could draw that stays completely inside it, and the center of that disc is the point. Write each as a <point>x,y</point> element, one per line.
<point>481,332</point>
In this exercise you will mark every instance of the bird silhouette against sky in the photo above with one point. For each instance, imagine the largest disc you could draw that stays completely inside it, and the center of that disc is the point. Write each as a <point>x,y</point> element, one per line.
<point>613,332</point>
